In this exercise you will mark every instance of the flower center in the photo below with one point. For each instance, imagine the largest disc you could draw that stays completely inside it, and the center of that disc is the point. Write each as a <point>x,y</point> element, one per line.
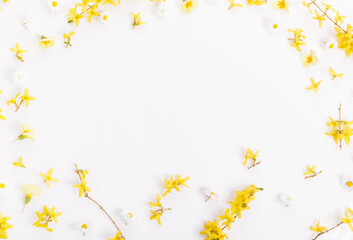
<point>281,4</point>
<point>130,215</point>
<point>349,184</point>
<point>2,185</point>
<point>54,3</point>
<point>275,26</point>
<point>188,4</point>
<point>84,226</point>
<point>309,59</point>
<point>105,17</point>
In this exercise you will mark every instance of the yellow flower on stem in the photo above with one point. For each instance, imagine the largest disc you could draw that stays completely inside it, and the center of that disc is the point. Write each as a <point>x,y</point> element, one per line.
<point>157,203</point>
<point>320,18</point>
<point>335,75</point>
<point>156,216</point>
<point>118,236</point>
<point>345,39</point>
<point>73,16</point>
<point>46,217</point>
<point>314,86</point>
<point>27,133</point>
<point>18,51</point>
<point>4,226</point>
<point>112,2</point>
<point>46,42</point>
<point>24,99</point>
<point>169,185</point>
<point>253,156</point>
<point>298,38</point>
<point>311,172</point>
<point>91,13</point>
<point>309,59</point>
<point>137,20</point>
<point>83,189</point>
<point>233,4</point>
<point>317,228</point>
<point>228,219</point>
<point>256,2</point>
<point>67,38</point>
<point>307,5</point>
<point>339,18</point>
<point>48,178</point>
<point>281,5</point>
<point>347,218</point>
<point>19,163</point>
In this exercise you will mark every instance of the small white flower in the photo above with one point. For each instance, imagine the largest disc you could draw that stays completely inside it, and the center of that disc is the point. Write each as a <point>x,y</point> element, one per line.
<point>27,23</point>
<point>19,79</point>
<point>104,18</point>
<point>210,194</point>
<point>84,227</point>
<point>286,199</point>
<point>329,44</point>
<point>54,5</point>
<point>161,8</point>
<point>127,216</point>
<point>348,183</point>
<point>273,26</point>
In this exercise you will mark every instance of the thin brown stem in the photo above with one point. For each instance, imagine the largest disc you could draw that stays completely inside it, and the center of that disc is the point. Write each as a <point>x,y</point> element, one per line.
<point>18,106</point>
<point>325,14</point>
<point>254,164</point>
<point>94,201</point>
<point>314,175</point>
<point>326,231</point>
<point>340,124</point>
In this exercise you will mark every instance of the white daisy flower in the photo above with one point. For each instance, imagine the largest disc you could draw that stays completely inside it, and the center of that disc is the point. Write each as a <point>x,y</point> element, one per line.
<point>127,216</point>
<point>210,194</point>
<point>54,5</point>
<point>286,199</point>
<point>104,18</point>
<point>19,78</point>
<point>273,26</point>
<point>348,183</point>
<point>84,227</point>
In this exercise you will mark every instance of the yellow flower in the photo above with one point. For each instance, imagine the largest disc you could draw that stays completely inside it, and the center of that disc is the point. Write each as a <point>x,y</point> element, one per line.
<point>335,75</point>
<point>346,218</point>
<point>83,189</point>
<point>112,2</point>
<point>307,5</point>
<point>213,231</point>
<point>334,124</point>
<point>309,59</point>
<point>91,13</point>
<point>1,116</point>
<point>18,52</point>
<point>228,219</point>
<point>189,5</point>
<point>74,17</point>
<point>156,204</point>
<point>19,163</point>
<point>233,4</point>
<point>83,173</point>
<point>319,17</point>
<point>4,226</point>
<point>347,132</point>
<point>345,39</point>
<point>318,228</point>
<point>26,98</point>
<point>30,191</point>
<point>118,236</point>
<point>137,20</point>
<point>314,86</point>
<point>26,133</point>
<point>281,5</point>
<point>310,170</point>
<point>156,216</point>
<point>339,18</point>
<point>13,100</point>
<point>46,217</point>
<point>68,38</point>
<point>48,178</point>
<point>256,2</point>
<point>46,42</point>
<point>250,155</point>
<point>169,185</point>
<point>298,38</point>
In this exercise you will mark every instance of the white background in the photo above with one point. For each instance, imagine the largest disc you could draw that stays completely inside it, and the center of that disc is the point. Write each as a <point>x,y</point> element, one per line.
<point>183,94</point>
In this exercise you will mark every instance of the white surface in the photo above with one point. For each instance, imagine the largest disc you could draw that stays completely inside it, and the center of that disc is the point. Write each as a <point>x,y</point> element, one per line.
<point>183,94</point>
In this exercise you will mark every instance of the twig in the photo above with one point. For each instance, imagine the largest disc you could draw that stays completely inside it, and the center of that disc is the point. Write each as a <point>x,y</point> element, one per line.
<point>326,231</point>
<point>100,206</point>
<point>254,164</point>
<point>340,124</point>
<point>314,175</point>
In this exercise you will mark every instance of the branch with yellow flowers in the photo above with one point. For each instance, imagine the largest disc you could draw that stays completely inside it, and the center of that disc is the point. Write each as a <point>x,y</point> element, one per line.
<point>323,230</point>
<point>157,207</point>
<point>340,129</point>
<point>252,156</point>
<point>25,98</point>
<point>83,191</point>
<point>214,230</point>
<point>344,36</point>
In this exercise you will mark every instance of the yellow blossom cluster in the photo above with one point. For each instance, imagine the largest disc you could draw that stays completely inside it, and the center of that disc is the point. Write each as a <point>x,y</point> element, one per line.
<point>82,187</point>
<point>18,52</point>
<point>310,173</point>
<point>157,208</point>
<point>67,38</point>
<point>4,226</point>
<point>298,38</point>
<point>214,229</point>
<point>25,98</point>
<point>46,217</point>
<point>340,130</point>
<point>87,8</point>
